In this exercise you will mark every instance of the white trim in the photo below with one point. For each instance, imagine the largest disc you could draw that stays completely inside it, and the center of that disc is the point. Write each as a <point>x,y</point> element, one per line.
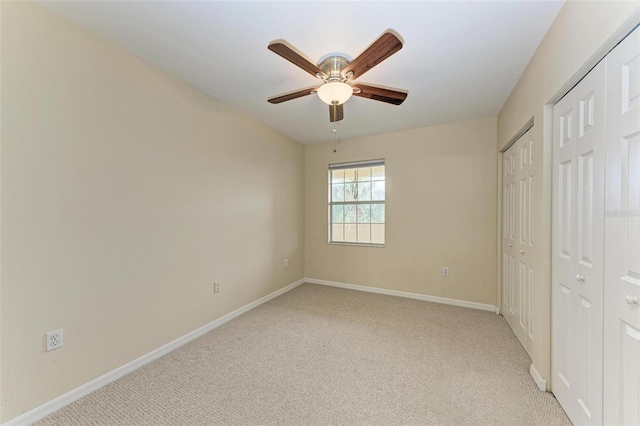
<point>497,311</point>
<point>528,125</point>
<point>540,382</point>
<point>435,299</point>
<point>56,404</point>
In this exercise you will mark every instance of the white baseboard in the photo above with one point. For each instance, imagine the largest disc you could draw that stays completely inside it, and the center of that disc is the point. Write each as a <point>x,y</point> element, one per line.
<point>542,383</point>
<point>54,405</point>
<point>436,299</point>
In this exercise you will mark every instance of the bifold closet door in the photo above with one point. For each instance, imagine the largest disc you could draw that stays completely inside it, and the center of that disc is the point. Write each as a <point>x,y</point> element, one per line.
<point>577,249</point>
<point>622,236</point>
<point>518,182</point>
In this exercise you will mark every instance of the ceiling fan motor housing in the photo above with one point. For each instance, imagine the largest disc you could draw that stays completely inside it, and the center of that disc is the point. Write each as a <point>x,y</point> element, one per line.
<point>333,66</point>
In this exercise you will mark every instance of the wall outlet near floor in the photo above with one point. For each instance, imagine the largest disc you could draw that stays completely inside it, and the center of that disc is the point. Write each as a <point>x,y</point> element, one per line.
<point>445,271</point>
<point>216,287</point>
<point>54,340</point>
<point>286,263</point>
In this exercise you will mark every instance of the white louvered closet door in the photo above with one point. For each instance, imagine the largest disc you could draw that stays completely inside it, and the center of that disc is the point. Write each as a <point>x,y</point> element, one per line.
<point>577,248</point>
<point>622,236</point>
<point>518,182</point>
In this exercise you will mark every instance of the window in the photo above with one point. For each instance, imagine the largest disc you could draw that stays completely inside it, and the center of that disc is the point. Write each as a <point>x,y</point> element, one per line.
<point>356,203</point>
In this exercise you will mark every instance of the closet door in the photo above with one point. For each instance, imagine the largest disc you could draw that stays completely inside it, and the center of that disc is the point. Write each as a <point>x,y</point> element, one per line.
<point>509,297</point>
<point>577,252</point>
<point>517,242</point>
<point>622,236</point>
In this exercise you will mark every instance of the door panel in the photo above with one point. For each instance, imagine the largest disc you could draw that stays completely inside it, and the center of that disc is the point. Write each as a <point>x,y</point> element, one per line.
<point>565,190</point>
<point>622,236</point>
<point>577,263</point>
<point>508,227</point>
<point>563,362</point>
<point>585,210</point>
<point>517,241</point>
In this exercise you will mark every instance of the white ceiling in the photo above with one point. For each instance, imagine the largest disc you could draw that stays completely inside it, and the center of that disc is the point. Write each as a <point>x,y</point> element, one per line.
<point>460,59</point>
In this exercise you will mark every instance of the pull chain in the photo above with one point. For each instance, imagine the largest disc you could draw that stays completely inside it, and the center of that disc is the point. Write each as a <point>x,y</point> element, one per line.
<point>335,133</point>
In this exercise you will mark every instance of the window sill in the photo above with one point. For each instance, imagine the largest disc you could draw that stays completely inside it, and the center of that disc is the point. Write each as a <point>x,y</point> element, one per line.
<point>332,243</point>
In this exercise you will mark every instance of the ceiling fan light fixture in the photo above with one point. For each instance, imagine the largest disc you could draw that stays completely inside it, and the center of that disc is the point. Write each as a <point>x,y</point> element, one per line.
<point>336,70</point>
<point>335,92</point>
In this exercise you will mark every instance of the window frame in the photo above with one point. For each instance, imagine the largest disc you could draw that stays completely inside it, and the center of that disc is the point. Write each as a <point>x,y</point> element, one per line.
<point>354,165</point>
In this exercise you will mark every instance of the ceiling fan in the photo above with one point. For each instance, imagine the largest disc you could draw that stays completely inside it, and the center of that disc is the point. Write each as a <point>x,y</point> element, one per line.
<point>338,72</point>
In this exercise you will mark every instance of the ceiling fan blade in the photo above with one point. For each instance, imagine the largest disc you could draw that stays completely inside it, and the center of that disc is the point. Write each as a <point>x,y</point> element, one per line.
<point>336,113</point>
<point>381,49</point>
<point>288,52</point>
<point>389,96</point>
<point>292,95</point>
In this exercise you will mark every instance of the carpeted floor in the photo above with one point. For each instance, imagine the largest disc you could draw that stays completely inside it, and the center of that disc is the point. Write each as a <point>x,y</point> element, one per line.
<point>325,356</point>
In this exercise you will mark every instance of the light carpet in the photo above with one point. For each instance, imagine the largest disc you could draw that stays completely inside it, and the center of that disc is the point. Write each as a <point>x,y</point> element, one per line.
<point>326,356</point>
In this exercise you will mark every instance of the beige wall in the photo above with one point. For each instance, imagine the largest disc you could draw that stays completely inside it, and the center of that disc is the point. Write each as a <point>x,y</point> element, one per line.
<point>440,211</point>
<point>582,34</point>
<point>125,194</point>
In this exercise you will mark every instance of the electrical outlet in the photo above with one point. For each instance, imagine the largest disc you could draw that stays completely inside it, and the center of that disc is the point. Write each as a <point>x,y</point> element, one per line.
<point>286,263</point>
<point>445,271</point>
<point>54,340</point>
<point>216,287</point>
